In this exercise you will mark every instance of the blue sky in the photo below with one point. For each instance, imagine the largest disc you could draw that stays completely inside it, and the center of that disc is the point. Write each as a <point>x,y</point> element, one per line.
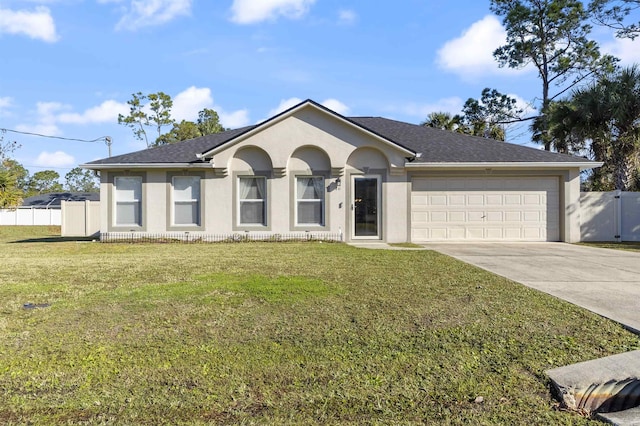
<point>70,65</point>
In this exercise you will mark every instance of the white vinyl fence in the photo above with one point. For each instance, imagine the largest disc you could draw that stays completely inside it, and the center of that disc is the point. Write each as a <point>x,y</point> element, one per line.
<point>80,218</point>
<point>610,216</point>
<point>29,216</point>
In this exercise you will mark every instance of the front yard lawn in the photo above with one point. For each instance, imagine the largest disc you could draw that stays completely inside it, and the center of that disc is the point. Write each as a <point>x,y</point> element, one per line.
<point>277,333</point>
<point>627,245</point>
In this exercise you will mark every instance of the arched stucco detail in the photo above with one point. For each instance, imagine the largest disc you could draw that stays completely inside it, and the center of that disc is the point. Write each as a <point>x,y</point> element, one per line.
<point>367,158</point>
<point>250,159</point>
<point>309,158</point>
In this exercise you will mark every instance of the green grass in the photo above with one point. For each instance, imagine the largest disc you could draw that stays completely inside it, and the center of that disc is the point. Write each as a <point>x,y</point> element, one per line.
<point>264,333</point>
<point>629,246</point>
<point>406,245</point>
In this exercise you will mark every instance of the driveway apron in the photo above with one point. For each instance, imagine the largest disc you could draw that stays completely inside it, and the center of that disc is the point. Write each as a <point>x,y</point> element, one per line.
<point>604,281</point>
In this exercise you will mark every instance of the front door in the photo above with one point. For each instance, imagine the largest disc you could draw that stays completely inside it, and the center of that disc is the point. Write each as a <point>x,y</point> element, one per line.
<point>366,207</point>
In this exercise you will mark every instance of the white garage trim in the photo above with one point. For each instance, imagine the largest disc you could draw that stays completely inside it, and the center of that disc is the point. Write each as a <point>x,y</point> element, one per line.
<point>485,209</point>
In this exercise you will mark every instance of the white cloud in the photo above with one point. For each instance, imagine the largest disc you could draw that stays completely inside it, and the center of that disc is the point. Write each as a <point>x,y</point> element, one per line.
<point>41,129</point>
<point>452,105</point>
<point>627,50</point>
<point>37,24</point>
<point>5,102</point>
<point>336,106</point>
<point>527,107</point>
<point>106,112</point>
<point>234,120</point>
<point>284,105</point>
<point>332,104</point>
<point>46,116</point>
<point>471,54</point>
<point>347,17</point>
<point>146,13</point>
<point>55,159</point>
<point>189,102</point>
<point>253,11</point>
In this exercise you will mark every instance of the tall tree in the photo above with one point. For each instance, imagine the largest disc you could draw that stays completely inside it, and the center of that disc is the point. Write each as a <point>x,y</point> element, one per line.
<point>79,180</point>
<point>181,131</point>
<point>21,174</point>
<point>443,120</point>
<point>44,182</point>
<point>139,119</point>
<point>551,35</point>
<point>605,118</point>
<point>10,194</point>
<point>614,14</point>
<point>486,117</point>
<point>209,122</point>
<point>6,146</point>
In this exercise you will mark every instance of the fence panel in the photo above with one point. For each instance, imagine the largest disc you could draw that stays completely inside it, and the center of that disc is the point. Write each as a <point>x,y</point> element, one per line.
<point>80,218</point>
<point>630,213</point>
<point>610,216</point>
<point>29,216</point>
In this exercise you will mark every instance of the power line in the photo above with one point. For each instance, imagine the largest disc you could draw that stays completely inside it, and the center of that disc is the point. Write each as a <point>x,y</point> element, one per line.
<point>100,139</point>
<point>106,139</point>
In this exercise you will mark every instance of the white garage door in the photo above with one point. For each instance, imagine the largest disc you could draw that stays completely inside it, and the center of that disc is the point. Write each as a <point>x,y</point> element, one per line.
<point>487,208</point>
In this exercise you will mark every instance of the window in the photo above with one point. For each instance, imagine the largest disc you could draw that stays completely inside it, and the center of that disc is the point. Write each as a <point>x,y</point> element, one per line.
<point>252,198</point>
<point>186,200</point>
<point>310,200</point>
<point>128,195</point>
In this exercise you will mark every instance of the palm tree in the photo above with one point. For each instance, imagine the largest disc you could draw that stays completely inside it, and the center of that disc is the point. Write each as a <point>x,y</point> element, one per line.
<point>605,117</point>
<point>444,121</point>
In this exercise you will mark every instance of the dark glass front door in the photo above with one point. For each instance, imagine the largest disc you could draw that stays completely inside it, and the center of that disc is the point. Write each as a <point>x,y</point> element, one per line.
<point>365,207</point>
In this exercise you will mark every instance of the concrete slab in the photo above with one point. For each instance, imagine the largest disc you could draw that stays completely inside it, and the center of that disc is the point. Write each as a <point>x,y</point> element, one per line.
<point>622,418</point>
<point>605,281</point>
<point>584,385</point>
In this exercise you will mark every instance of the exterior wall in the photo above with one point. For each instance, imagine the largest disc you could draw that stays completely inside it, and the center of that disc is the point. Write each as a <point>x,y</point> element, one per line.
<point>305,144</point>
<point>570,204</point>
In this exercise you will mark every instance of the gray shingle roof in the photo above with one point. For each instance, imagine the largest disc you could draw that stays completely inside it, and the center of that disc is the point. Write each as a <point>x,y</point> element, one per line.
<point>435,145</point>
<point>181,152</point>
<point>54,199</point>
<point>443,146</point>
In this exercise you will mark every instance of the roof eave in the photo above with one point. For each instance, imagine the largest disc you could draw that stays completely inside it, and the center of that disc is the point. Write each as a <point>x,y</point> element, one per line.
<point>105,166</point>
<point>279,117</point>
<point>582,165</point>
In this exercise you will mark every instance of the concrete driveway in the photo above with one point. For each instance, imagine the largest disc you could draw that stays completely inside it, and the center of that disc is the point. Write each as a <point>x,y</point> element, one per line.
<point>604,281</point>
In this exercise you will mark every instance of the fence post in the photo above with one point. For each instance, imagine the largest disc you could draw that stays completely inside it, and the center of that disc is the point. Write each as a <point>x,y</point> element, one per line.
<point>617,208</point>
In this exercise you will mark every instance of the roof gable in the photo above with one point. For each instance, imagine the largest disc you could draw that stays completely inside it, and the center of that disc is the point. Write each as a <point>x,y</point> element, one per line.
<point>291,112</point>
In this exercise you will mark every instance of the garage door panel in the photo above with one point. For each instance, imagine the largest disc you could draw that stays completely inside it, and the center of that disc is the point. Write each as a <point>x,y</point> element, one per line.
<point>475,200</point>
<point>495,217</point>
<point>489,208</point>
<point>439,217</point>
<point>494,199</point>
<point>457,200</point>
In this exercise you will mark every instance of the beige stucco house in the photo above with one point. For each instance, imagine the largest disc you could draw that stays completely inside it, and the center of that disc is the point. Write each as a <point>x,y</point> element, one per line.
<point>314,172</point>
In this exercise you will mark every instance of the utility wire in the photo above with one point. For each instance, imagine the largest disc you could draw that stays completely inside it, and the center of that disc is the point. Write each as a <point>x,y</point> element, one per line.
<point>106,139</point>
<point>100,139</point>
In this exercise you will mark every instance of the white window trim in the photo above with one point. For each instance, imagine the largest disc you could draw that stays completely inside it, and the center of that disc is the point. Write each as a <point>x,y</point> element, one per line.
<point>255,200</point>
<point>196,201</point>
<point>138,202</point>
<point>320,200</point>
